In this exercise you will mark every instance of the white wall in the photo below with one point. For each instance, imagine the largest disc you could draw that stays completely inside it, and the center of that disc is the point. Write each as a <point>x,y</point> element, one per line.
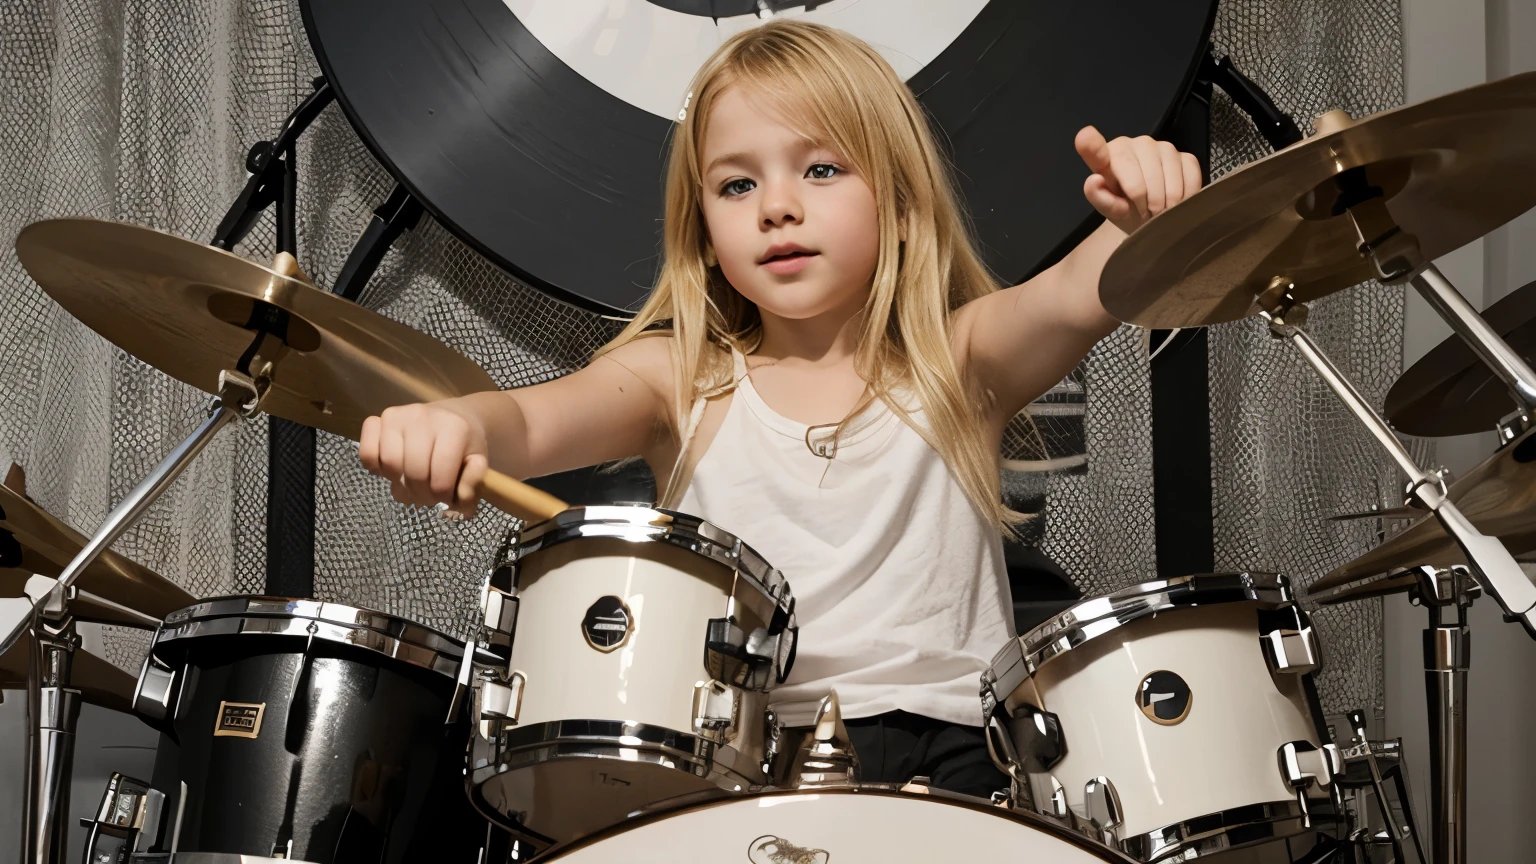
<point>1450,44</point>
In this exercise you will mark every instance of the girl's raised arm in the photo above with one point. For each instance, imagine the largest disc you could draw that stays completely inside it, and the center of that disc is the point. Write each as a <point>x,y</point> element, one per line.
<point>1019,342</point>
<point>618,406</point>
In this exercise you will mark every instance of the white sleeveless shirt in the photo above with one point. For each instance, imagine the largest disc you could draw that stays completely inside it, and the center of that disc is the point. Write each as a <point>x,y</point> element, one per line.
<point>899,582</point>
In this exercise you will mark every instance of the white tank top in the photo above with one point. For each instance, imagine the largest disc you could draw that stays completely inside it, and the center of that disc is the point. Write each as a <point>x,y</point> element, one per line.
<point>899,582</point>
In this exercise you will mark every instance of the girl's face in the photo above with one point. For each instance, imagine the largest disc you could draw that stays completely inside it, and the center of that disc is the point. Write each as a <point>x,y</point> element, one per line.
<point>793,225</point>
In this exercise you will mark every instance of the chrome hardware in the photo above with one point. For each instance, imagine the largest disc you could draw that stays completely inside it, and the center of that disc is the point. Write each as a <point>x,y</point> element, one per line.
<point>773,739</point>
<point>1058,799</point>
<point>119,826</point>
<point>1303,764</point>
<point>715,710</point>
<point>1214,833</point>
<point>153,695</point>
<point>754,661</point>
<point>501,700</point>
<point>1104,815</point>
<point>1290,643</point>
<point>500,616</point>
<point>826,757</point>
<point>1513,425</point>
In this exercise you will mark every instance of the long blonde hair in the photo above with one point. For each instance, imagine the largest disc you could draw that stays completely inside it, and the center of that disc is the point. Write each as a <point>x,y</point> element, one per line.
<point>838,86</point>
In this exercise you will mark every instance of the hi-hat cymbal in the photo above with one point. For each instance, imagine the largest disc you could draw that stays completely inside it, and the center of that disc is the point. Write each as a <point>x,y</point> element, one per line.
<point>48,545</point>
<point>1449,391</point>
<point>1450,169</point>
<point>1498,496</point>
<point>187,309</point>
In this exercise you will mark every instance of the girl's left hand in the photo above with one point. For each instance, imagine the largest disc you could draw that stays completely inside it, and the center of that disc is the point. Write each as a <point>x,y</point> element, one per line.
<point>1134,179</point>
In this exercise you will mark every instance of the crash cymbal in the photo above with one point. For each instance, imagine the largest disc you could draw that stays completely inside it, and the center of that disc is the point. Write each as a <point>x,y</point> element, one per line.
<point>47,545</point>
<point>1449,391</point>
<point>1450,169</point>
<point>187,309</point>
<point>1498,496</point>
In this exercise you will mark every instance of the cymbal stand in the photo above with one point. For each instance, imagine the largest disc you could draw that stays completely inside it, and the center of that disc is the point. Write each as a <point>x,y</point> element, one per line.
<point>1447,655</point>
<point>1495,569</point>
<point>55,709</point>
<point>53,706</point>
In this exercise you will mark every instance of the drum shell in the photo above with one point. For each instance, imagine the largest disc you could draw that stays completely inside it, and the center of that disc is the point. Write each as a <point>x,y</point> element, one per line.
<point>1221,756</point>
<point>650,677</point>
<point>352,760</point>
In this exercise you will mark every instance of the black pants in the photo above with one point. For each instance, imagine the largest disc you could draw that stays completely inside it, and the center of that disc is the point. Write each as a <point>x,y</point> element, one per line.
<point>895,747</point>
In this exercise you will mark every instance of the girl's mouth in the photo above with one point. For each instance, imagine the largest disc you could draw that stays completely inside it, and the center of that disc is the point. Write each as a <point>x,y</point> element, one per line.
<point>790,262</point>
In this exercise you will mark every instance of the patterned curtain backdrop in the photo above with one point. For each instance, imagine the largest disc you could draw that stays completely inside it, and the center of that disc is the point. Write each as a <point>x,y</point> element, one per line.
<point>142,112</point>
<point>1286,455</point>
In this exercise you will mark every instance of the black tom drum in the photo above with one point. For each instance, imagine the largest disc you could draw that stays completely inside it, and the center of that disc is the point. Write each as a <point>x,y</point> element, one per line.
<point>294,729</point>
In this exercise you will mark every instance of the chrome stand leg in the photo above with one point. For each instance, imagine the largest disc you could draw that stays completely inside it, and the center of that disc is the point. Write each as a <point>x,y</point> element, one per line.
<point>1483,339</point>
<point>54,710</point>
<point>1447,653</point>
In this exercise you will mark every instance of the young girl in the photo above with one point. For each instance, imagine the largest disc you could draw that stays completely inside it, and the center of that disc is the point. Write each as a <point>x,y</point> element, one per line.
<point>825,369</point>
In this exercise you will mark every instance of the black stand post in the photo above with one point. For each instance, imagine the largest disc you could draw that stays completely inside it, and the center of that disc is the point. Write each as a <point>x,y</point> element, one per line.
<point>291,446</point>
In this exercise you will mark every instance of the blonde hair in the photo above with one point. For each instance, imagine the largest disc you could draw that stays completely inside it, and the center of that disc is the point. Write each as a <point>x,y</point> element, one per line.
<point>847,93</point>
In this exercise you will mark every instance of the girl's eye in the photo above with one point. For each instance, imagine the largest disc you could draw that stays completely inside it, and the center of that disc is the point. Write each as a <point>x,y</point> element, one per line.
<point>823,171</point>
<point>740,186</point>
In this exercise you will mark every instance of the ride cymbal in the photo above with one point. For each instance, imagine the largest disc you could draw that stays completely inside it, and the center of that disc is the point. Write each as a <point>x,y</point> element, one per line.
<point>1498,497</point>
<point>192,311</point>
<point>1448,171</point>
<point>1449,391</point>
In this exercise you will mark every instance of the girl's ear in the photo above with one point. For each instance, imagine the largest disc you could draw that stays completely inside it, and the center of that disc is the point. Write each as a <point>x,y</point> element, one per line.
<point>709,255</point>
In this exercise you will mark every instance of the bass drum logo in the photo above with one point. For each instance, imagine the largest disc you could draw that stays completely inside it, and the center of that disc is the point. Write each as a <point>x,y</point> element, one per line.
<point>769,849</point>
<point>607,624</point>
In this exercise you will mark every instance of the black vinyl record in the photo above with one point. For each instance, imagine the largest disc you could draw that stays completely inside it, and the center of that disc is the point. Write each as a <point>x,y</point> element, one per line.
<point>537,131</point>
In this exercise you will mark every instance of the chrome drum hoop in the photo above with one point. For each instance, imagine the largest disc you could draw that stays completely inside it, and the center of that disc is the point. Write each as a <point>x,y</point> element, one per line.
<point>1219,832</point>
<point>389,635</point>
<point>1095,617</point>
<point>644,524</point>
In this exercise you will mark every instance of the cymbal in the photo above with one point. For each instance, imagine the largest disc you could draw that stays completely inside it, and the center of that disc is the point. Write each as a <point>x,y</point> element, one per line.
<point>1498,497</point>
<point>1374,588</point>
<point>1450,169</point>
<point>48,545</point>
<point>99,682</point>
<point>186,309</point>
<point>1390,513</point>
<point>1449,391</point>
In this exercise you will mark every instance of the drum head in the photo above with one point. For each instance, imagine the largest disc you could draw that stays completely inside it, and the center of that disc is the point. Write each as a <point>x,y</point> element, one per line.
<point>537,132</point>
<point>841,826</point>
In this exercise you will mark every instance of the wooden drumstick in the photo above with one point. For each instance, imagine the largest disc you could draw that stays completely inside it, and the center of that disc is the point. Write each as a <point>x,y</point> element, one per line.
<point>516,498</point>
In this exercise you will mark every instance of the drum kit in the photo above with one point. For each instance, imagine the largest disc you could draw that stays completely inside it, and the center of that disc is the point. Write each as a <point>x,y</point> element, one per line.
<point>626,711</point>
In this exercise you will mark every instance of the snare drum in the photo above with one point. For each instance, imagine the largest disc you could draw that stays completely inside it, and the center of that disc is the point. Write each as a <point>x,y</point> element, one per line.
<point>294,729</point>
<point>643,644</point>
<point>1173,718</point>
<point>862,824</point>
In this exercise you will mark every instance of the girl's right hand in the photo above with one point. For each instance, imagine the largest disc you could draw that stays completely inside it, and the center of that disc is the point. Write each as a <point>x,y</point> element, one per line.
<point>430,452</point>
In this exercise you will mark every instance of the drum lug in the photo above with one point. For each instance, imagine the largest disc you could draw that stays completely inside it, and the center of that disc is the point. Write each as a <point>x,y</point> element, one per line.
<point>1104,815</point>
<point>715,710</point>
<point>156,691</point>
<point>1290,644</point>
<point>126,821</point>
<point>1302,764</point>
<point>773,739</point>
<point>751,661</point>
<point>500,702</point>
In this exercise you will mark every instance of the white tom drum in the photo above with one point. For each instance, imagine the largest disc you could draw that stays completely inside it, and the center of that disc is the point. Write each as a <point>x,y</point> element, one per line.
<point>640,648</point>
<point>848,825</point>
<point>1171,719</point>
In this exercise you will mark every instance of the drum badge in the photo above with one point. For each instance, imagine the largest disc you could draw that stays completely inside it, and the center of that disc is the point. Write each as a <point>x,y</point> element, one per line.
<point>239,719</point>
<point>607,624</point>
<point>769,849</point>
<point>1165,698</point>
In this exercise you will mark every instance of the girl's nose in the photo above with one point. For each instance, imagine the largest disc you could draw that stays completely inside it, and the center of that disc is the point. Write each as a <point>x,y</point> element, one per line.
<point>780,206</point>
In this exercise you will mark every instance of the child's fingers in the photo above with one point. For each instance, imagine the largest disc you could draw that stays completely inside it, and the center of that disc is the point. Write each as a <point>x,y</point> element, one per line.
<point>467,496</point>
<point>1110,206</point>
<point>1127,175</point>
<point>1155,198</point>
<point>1173,175</point>
<point>368,445</point>
<point>1093,149</point>
<point>417,472</point>
<point>1192,178</point>
<point>447,459</point>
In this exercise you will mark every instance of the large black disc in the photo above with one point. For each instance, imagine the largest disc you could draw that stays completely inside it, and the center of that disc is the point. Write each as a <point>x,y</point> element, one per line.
<point>558,180</point>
